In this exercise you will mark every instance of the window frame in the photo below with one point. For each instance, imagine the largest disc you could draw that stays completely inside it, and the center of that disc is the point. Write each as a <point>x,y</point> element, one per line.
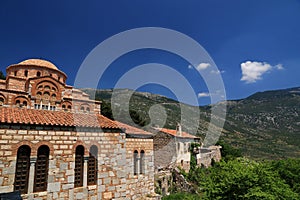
<point>20,179</point>
<point>41,169</point>
<point>79,166</point>
<point>92,173</point>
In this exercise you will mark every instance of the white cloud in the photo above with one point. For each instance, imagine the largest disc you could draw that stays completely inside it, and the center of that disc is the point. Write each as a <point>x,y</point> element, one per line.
<point>217,71</point>
<point>253,71</point>
<point>203,94</point>
<point>279,67</point>
<point>203,66</point>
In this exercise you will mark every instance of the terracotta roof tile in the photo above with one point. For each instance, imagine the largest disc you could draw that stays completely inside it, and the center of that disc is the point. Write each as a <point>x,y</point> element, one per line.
<point>132,130</point>
<point>174,133</point>
<point>58,118</point>
<point>38,62</point>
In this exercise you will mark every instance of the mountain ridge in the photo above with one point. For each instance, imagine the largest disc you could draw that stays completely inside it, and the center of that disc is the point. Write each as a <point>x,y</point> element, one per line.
<point>265,125</point>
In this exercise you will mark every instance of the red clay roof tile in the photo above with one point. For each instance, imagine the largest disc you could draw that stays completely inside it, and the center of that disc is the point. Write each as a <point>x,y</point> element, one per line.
<point>131,129</point>
<point>58,118</point>
<point>174,133</point>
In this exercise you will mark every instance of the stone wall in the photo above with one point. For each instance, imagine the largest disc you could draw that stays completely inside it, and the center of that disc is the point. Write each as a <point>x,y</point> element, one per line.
<point>206,155</point>
<point>114,178</point>
<point>171,151</point>
<point>164,150</point>
<point>140,185</point>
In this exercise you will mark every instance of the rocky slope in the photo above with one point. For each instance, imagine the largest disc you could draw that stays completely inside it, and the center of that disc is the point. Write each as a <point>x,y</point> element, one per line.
<point>266,125</point>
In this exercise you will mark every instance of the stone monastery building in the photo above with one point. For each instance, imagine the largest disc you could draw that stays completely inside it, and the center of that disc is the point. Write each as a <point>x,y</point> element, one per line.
<point>55,144</point>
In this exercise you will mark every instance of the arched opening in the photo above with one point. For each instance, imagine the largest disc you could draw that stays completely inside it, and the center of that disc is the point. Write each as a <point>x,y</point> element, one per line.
<point>46,95</point>
<point>24,103</point>
<point>18,102</point>
<point>82,108</point>
<point>1,101</point>
<point>53,97</point>
<point>78,171</point>
<point>142,162</point>
<point>15,73</point>
<point>135,162</point>
<point>26,73</point>
<point>22,169</point>
<point>38,74</point>
<point>41,169</point>
<point>93,166</point>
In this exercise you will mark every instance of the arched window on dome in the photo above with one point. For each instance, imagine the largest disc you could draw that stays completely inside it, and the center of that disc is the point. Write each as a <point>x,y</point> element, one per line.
<point>24,103</point>
<point>39,95</point>
<point>46,95</point>
<point>18,102</point>
<point>26,73</point>
<point>53,97</point>
<point>1,101</point>
<point>16,73</point>
<point>38,74</point>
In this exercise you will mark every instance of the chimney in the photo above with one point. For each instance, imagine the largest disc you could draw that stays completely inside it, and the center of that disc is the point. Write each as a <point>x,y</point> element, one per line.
<point>178,130</point>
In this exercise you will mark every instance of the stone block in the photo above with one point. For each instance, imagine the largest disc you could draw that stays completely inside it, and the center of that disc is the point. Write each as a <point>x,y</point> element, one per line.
<point>70,179</point>
<point>67,186</point>
<point>53,187</point>
<point>63,166</point>
<point>107,195</point>
<point>107,181</point>
<point>80,195</point>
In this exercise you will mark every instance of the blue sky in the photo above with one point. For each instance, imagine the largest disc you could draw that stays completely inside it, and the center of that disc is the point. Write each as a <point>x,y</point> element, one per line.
<point>255,44</point>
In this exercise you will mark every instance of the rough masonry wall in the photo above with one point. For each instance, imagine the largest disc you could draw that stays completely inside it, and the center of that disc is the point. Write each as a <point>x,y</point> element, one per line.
<point>112,166</point>
<point>206,155</point>
<point>164,150</point>
<point>140,185</point>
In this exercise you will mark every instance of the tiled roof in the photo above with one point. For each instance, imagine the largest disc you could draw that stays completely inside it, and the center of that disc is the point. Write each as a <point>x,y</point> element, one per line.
<point>131,129</point>
<point>39,62</point>
<point>54,118</point>
<point>174,133</point>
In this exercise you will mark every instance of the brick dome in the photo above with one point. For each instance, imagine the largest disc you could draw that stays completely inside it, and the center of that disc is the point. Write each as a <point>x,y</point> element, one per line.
<point>39,62</point>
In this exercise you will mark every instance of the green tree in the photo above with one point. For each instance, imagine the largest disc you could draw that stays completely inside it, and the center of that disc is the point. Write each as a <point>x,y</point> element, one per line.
<point>106,110</point>
<point>244,179</point>
<point>181,196</point>
<point>2,76</point>
<point>137,118</point>
<point>289,171</point>
<point>228,152</point>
